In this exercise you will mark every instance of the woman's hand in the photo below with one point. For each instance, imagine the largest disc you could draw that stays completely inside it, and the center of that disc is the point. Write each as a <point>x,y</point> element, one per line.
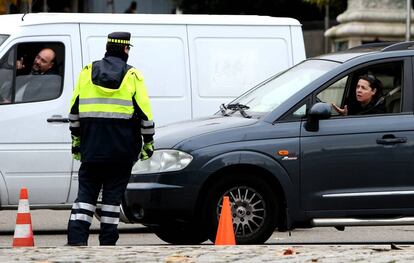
<point>343,111</point>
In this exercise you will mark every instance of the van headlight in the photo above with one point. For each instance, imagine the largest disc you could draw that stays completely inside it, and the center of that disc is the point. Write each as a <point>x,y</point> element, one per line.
<point>163,161</point>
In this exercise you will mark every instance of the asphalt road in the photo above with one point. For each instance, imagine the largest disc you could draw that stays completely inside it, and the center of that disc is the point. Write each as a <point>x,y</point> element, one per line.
<point>49,228</point>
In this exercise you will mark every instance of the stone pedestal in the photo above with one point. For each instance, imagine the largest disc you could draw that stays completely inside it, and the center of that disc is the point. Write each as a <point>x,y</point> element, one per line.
<point>368,21</point>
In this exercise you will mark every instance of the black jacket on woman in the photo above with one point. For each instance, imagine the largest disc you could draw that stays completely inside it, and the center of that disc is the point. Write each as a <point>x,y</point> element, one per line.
<point>374,107</point>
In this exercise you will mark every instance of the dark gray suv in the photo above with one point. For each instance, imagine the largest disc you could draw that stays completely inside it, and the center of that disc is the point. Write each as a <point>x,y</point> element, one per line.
<point>285,157</point>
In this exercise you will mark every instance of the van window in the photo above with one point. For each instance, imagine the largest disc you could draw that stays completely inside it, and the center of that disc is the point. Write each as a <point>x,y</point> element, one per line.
<point>6,76</point>
<point>31,72</point>
<point>3,38</point>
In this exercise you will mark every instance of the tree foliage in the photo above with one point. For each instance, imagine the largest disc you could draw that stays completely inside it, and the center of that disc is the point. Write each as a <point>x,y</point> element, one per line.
<point>335,4</point>
<point>300,9</point>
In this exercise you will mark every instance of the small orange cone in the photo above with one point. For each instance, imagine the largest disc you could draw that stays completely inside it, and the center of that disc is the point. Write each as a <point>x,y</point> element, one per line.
<point>23,232</point>
<point>225,233</point>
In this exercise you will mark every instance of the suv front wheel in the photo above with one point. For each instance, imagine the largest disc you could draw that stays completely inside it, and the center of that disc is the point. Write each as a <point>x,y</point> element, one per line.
<point>253,207</point>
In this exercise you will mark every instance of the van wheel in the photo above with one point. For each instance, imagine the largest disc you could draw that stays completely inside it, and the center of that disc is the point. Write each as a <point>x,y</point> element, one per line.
<point>253,207</point>
<point>180,234</point>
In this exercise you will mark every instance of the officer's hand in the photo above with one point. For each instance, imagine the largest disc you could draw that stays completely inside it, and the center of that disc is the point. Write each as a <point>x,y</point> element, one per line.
<point>76,148</point>
<point>147,151</point>
<point>76,156</point>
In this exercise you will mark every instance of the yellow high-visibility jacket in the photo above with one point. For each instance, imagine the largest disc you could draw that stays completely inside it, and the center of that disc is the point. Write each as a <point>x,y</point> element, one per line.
<point>110,121</point>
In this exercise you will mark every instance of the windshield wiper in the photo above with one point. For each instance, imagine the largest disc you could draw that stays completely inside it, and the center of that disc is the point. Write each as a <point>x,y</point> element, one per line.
<point>239,107</point>
<point>223,109</point>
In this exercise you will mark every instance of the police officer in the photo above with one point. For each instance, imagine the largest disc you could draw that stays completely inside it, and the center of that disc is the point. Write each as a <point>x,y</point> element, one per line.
<point>110,115</point>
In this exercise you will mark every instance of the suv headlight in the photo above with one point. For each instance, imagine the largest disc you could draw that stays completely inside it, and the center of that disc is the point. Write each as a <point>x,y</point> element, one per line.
<point>163,161</point>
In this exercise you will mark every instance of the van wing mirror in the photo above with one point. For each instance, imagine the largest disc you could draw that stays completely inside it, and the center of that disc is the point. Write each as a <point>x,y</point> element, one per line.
<point>319,111</point>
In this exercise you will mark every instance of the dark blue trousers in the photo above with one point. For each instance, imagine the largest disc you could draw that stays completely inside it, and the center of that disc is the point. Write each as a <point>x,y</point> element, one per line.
<point>112,178</point>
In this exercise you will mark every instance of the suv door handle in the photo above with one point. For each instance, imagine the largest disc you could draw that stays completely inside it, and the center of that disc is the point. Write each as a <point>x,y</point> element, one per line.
<point>57,118</point>
<point>391,140</point>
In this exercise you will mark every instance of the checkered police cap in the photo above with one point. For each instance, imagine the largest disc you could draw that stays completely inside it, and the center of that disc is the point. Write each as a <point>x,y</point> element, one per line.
<point>122,38</point>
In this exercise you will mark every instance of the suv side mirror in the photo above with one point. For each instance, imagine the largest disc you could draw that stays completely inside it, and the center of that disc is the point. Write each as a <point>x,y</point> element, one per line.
<point>319,111</point>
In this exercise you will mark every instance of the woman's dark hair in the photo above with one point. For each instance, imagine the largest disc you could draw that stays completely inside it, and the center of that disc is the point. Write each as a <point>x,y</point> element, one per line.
<point>374,84</point>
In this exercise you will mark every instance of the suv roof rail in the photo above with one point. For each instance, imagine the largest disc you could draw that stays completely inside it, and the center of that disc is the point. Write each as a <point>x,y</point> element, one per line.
<point>399,46</point>
<point>373,45</point>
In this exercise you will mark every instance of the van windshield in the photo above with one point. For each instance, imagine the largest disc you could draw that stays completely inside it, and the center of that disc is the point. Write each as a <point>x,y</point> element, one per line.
<point>3,38</point>
<point>268,95</point>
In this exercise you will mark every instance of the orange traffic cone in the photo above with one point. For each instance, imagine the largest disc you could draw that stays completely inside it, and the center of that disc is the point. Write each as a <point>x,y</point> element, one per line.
<point>23,232</point>
<point>225,232</point>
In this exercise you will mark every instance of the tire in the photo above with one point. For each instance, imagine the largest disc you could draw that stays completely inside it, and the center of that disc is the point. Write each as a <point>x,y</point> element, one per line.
<point>180,234</point>
<point>253,207</point>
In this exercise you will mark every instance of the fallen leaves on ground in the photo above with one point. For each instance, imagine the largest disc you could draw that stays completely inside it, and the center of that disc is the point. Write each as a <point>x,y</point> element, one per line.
<point>288,251</point>
<point>178,258</point>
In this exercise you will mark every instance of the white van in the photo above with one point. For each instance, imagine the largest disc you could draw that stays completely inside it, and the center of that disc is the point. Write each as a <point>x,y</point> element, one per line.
<point>191,64</point>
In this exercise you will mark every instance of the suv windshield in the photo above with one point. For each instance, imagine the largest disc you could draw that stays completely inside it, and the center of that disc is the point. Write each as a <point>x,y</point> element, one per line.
<point>3,38</point>
<point>269,95</point>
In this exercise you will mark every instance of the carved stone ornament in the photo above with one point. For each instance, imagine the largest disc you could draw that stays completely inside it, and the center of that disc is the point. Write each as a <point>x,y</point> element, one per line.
<point>371,20</point>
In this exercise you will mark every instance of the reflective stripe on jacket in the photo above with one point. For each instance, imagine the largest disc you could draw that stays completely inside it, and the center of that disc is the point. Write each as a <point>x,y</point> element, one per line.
<point>110,122</point>
<point>101,102</point>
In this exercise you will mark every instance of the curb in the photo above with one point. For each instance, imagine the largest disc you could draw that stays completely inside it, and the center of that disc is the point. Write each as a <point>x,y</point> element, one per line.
<point>210,253</point>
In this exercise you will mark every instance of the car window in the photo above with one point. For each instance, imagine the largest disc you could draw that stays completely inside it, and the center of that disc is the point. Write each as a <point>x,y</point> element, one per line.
<point>300,112</point>
<point>334,93</point>
<point>393,86</point>
<point>385,99</point>
<point>31,72</point>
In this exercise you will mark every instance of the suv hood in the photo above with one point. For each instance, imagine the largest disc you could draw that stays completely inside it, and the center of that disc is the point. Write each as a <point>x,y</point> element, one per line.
<point>173,134</point>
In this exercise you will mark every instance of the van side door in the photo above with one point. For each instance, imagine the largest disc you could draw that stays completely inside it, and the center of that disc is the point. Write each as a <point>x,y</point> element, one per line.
<point>35,146</point>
